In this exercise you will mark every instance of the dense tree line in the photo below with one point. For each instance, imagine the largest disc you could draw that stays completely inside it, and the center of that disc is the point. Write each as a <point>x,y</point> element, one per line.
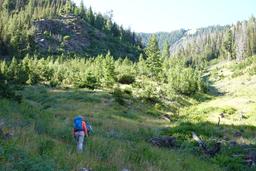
<point>163,37</point>
<point>237,41</point>
<point>202,45</point>
<point>17,16</point>
<point>172,75</point>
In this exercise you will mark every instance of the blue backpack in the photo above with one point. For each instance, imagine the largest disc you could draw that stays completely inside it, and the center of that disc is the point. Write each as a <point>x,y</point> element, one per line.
<point>78,123</point>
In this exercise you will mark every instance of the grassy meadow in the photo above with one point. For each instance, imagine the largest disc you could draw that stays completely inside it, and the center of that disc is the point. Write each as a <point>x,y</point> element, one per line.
<point>42,126</point>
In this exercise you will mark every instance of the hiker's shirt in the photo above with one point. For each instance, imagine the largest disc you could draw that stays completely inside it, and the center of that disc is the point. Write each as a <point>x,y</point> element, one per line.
<point>83,132</point>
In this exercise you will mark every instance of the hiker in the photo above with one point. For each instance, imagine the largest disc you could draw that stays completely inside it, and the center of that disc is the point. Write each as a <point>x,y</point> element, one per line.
<point>80,130</point>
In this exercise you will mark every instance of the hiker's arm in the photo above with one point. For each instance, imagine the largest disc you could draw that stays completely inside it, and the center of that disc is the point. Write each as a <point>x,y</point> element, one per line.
<point>85,129</point>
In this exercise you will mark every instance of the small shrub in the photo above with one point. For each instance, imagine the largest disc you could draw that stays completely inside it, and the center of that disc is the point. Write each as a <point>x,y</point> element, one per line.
<point>252,70</point>
<point>229,110</point>
<point>186,81</point>
<point>66,38</point>
<point>89,81</point>
<point>8,91</point>
<point>126,79</point>
<point>54,83</point>
<point>157,106</point>
<point>237,73</point>
<point>149,92</point>
<point>128,91</point>
<point>247,65</point>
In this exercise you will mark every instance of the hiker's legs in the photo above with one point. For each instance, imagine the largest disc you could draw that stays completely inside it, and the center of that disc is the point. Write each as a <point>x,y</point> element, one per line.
<point>80,140</point>
<point>80,143</point>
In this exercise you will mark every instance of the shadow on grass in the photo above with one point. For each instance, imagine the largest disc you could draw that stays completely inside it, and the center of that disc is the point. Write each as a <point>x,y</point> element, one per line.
<point>215,92</point>
<point>234,150</point>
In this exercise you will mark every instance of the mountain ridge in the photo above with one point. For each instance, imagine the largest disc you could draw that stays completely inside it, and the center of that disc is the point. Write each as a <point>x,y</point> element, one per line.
<point>177,35</point>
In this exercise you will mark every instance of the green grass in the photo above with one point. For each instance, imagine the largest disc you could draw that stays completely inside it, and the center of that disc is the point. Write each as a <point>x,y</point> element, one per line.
<point>43,139</point>
<point>42,126</point>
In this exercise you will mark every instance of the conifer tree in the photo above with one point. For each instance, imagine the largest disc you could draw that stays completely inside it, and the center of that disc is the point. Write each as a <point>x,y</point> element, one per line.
<point>108,70</point>
<point>90,16</point>
<point>141,66</point>
<point>82,9</point>
<point>228,44</point>
<point>166,50</point>
<point>153,60</point>
<point>252,36</point>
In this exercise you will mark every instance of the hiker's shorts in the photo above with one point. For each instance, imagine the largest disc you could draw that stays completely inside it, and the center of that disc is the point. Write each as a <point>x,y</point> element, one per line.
<point>79,135</point>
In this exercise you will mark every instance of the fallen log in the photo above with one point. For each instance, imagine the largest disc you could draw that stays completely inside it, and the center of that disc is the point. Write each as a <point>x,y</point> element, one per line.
<point>212,151</point>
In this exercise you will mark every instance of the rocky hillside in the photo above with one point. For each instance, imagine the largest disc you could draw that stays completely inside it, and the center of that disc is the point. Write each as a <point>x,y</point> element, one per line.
<point>70,34</point>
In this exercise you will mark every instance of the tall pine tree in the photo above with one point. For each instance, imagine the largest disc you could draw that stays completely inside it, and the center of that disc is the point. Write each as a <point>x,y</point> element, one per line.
<point>166,50</point>
<point>153,60</point>
<point>228,44</point>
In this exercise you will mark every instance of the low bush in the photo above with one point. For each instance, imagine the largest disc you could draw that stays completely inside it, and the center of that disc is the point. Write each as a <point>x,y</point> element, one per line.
<point>128,91</point>
<point>126,79</point>
<point>66,38</point>
<point>8,91</point>
<point>88,81</point>
<point>228,110</point>
<point>245,66</point>
<point>186,81</point>
<point>17,159</point>
<point>148,91</point>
